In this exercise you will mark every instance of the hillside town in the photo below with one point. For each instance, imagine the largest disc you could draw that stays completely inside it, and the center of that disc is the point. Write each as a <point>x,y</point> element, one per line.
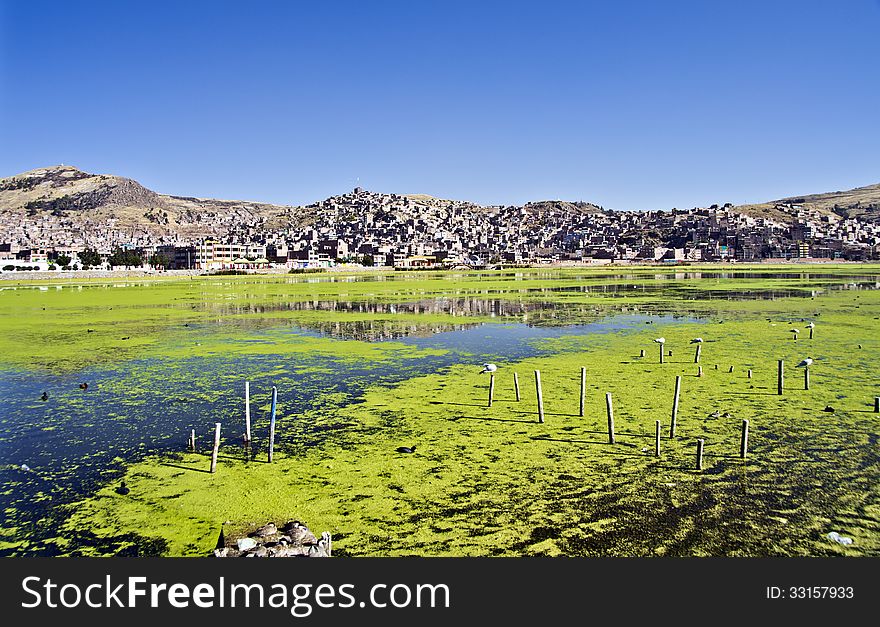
<point>389,230</point>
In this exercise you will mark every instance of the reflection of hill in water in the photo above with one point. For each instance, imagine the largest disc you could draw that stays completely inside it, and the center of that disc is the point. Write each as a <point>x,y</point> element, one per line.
<point>374,321</point>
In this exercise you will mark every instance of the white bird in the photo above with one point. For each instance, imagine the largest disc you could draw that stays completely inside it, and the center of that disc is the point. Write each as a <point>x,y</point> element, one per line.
<point>795,331</point>
<point>660,340</point>
<point>811,325</point>
<point>805,363</point>
<point>489,368</point>
<point>697,340</point>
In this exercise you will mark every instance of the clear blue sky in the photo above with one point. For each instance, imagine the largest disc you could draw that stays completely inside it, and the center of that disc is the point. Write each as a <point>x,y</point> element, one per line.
<point>632,105</point>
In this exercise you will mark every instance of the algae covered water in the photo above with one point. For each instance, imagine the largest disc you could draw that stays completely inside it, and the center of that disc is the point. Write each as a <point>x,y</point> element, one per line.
<point>159,359</point>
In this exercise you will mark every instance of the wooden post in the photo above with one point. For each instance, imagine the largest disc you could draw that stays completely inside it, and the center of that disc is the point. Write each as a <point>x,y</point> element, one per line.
<point>699,454</point>
<point>744,440</point>
<point>272,423</point>
<point>657,438</point>
<point>661,353</point>
<point>192,440</point>
<point>697,353</point>
<point>731,369</point>
<point>675,406</point>
<point>780,377</point>
<point>540,396</point>
<point>811,333</point>
<point>610,409</point>
<point>699,371</point>
<point>806,377</point>
<point>877,404</point>
<point>669,354</point>
<point>216,447</point>
<point>247,411</point>
<point>491,388</point>
<point>516,385</point>
<point>583,389</point>
<point>642,353</point>
<point>750,373</point>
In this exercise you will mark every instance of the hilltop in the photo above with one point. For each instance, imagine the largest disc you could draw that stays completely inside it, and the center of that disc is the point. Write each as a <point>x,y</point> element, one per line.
<point>86,200</point>
<point>859,203</point>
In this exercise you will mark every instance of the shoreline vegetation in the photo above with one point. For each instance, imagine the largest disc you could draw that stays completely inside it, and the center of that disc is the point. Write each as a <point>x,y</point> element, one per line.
<point>28,276</point>
<point>493,480</point>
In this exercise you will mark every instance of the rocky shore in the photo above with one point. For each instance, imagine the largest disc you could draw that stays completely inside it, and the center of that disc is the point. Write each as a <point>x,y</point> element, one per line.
<point>293,539</point>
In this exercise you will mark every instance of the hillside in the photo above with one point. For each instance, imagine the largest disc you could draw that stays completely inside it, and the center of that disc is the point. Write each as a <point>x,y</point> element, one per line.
<point>85,199</point>
<point>862,203</point>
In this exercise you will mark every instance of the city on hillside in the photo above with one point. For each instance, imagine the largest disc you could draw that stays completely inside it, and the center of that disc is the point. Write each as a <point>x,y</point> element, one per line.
<point>373,229</point>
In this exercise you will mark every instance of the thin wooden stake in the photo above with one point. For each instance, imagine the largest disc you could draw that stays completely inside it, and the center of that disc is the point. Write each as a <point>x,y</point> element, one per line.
<point>272,423</point>
<point>192,440</point>
<point>657,438</point>
<point>750,373</point>
<point>540,396</point>
<point>610,408</point>
<point>675,406</point>
<point>516,385</point>
<point>699,454</point>
<point>744,440</point>
<point>247,411</point>
<point>780,377</point>
<point>731,369</point>
<point>806,377</point>
<point>583,389</point>
<point>642,353</point>
<point>697,353</point>
<point>216,447</point>
<point>491,388</point>
<point>661,353</point>
<point>699,371</point>
<point>811,333</point>
<point>877,404</point>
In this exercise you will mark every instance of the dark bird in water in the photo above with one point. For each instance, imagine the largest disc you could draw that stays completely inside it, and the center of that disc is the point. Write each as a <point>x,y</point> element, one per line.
<point>406,449</point>
<point>44,397</point>
<point>860,345</point>
<point>127,338</point>
<point>123,489</point>
<point>84,386</point>
<point>90,330</point>
<point>829,409</point>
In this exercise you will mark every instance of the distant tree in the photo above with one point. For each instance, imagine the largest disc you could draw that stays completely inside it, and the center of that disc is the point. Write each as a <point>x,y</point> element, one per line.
<point>63,261</point>
<point>90,257</point>
<point>9,267</point>
<point>159,260</point>
<point>368,260</point>
<point>125,258</point>
<point>75,266</point>
<point>52,266</point>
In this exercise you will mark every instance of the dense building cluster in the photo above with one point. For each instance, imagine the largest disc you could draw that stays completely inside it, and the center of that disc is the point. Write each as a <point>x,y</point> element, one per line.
<point>377,229</point>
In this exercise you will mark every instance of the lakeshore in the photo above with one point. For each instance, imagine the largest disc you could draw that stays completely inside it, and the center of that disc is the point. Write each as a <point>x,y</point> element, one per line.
<point>365,363</point>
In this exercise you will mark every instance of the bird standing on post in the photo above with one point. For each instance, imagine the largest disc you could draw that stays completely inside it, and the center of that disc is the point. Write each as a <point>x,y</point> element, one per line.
<point>488,368</point>
<point>794,333</point>
<point>811,326</point>
<point>661,341</point>
<point>805,364</point>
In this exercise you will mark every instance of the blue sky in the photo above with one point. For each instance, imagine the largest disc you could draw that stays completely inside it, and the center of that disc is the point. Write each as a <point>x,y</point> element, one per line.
<point>632,105</point>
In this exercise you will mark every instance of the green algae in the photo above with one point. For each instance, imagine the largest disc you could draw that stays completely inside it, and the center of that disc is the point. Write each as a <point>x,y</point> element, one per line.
<point>493,481</point>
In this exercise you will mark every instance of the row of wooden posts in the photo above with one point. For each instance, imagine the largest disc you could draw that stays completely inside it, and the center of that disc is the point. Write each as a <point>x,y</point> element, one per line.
<point>609,407</point>
<point>744,436</point>
<point>247,427</point>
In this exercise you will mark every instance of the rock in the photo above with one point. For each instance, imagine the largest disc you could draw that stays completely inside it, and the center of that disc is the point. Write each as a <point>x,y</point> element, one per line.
<point>836,537</point>
<point>269,529</point>
<point>246,544</point>
<point>221,552</point>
